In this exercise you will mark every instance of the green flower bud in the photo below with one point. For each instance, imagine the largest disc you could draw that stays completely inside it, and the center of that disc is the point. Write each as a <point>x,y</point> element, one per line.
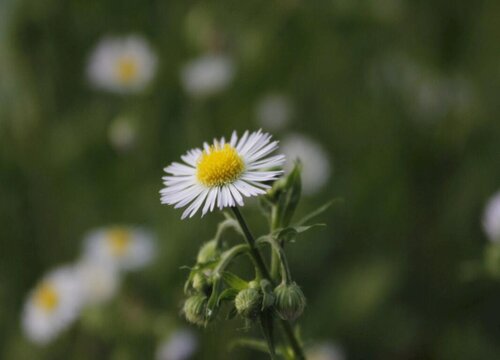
<point>290,301</point>
<point>248,302</point>
<point>195,309</point>
<point>208,252</point>
<point>200,283</point>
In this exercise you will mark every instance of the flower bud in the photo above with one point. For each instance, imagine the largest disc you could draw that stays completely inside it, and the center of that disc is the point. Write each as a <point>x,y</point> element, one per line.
<point>195,309</point>
<point>208,252</point>
<point>290,301</point>
<point>248,302</point>
<point>200,283</point>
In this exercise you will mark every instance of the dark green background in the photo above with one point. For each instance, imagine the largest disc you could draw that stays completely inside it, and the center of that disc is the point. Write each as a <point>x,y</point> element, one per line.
<point>382,280</point>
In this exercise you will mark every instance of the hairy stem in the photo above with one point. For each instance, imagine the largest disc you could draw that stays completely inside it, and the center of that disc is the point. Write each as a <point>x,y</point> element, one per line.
<point>274,256</point>
<point>259,262</point>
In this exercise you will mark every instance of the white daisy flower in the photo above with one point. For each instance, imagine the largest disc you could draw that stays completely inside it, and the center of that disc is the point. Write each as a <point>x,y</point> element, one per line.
<point>99,281</point>
<point>181,345</point>
<point>315,161</point>
<point>222,173</point>
<point>207,75</point>
<point>122,64</point>
<point>123,247</point>
<point>325,351</point>
<point>52,306</point>
<point>491,218</point>
<point>274,111</point>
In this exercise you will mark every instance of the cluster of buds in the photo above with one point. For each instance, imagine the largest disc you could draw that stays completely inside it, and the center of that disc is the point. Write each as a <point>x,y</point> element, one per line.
<point>272,295</point>
<point>248,299</point>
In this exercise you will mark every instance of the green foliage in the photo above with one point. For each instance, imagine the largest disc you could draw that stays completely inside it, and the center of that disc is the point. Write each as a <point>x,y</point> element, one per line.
<point>403,97</point>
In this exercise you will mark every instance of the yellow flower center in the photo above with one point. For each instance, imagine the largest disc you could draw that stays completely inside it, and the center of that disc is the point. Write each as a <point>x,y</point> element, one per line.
<point>118,240</point>
<point>126,69</point>
<point>219,166</point>
<point>46,297</point>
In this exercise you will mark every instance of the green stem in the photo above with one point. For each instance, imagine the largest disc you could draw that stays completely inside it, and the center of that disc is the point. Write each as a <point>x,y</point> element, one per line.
<point>259,262</point>
<point>276,248</point>
<point>274,256</point>
<point>228,256</point>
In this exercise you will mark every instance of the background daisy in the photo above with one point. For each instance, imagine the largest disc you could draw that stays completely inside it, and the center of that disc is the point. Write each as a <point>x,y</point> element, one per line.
<point>274,111</point>
<point>315,161</point>
<point>122,64</point>
<point>99,281</point>
<point>53,305</point>
<point>222,173</point>
<point>180,345</point>
<point>491,218</point>
<point>207,75</point>
<point>120,246</point>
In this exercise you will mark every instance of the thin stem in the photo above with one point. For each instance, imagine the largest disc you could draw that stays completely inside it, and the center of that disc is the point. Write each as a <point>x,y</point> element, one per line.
<point>274,256</point>
<point>259,262</point>
<point>254,252</point>
<point>228,256</point>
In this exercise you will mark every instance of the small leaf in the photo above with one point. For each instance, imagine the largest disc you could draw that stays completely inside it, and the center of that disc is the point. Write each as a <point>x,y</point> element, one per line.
<point>249,343</point>
<point>212,304</point>
<point>290,233</point>
<point>234,281</point>
<point>318,211</point>
<point>267,325</point>
<point>290,198</point>
<point>268,294</point>
<point>227,294</point>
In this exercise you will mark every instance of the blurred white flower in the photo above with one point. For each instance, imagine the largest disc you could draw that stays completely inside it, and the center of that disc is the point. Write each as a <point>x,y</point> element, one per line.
<point>52,306</point>
<point>122,133</point>
<point>315,161</point>
<point>274,112</point>
<point>491,218</point>
<point>181,345</point>
<point>122,64</point>
<point>325,351</point>
<point>125,248</point>
<point>429,95</point>
<point>99,281</point>
<point>207,75</point>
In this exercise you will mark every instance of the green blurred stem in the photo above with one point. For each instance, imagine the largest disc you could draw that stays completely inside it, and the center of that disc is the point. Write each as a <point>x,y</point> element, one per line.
<point>259,262</point>
<point>275,223</point>
<point>229,255</point>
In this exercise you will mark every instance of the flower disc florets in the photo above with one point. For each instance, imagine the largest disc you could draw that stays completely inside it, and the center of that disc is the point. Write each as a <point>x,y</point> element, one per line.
<point>219,166</point>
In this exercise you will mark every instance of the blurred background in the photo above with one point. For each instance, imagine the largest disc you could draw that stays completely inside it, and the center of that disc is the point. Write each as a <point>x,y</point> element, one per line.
<point>392,105</point>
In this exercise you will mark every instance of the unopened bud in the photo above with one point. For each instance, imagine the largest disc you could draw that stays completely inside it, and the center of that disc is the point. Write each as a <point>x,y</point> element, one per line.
<point>200,283</point>
<point>208,252</point>
<point>290,301</point>
<point>195,309</point>
<point>248,302</point>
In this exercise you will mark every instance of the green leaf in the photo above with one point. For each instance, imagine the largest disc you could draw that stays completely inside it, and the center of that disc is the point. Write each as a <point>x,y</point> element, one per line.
<point>268,294</point>
<point>234,281</point>
<point>213,301</point>
<point>290,233</point>
<point>227,294</point>
<point>291,196</point>
<point>249,343</point>
<point>267,326</point>
<point>318,211</point>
